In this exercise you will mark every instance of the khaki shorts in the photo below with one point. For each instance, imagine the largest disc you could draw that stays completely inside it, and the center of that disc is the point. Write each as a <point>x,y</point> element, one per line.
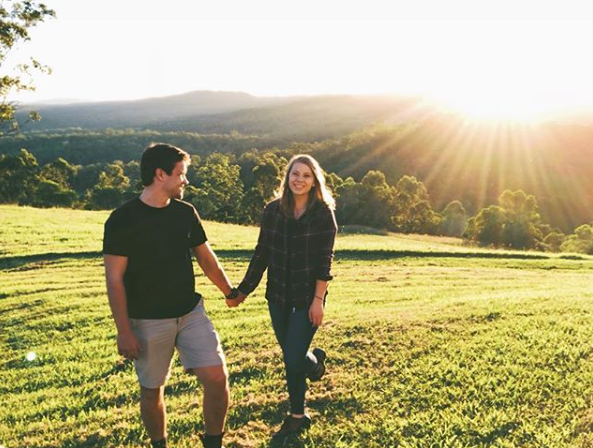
<point>194,336</point>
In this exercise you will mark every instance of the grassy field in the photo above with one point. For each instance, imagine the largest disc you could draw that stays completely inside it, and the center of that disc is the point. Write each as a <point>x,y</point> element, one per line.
<point>432,344</point>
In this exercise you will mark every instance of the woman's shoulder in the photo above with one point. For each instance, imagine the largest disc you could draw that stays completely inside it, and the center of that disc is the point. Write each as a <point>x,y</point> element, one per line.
<point>325,214</point>
<point>273,206</point>
<point>323,209</point>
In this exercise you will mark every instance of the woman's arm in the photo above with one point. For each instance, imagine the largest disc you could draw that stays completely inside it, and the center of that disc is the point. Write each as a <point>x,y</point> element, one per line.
<point>326,247</point>
<point>316,308</point>
<point>323,274</point>
<point>259,260</point>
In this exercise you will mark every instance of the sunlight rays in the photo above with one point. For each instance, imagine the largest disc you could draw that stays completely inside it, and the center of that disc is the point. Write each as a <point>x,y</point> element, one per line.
<point>414,114</point>
<point>452,143</point>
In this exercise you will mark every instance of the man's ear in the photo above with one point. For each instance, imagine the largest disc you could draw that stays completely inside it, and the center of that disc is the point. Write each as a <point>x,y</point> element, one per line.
<point>159,174</point>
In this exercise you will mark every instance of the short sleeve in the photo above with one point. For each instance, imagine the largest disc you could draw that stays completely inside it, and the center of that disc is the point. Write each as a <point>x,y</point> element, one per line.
<point>116,238</point>
<point>197,235</point>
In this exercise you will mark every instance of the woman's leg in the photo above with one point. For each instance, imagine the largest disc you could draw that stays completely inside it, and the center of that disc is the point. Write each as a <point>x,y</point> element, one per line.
<point>279,318</point>
<point>294,333</point>
<point>297,359</point>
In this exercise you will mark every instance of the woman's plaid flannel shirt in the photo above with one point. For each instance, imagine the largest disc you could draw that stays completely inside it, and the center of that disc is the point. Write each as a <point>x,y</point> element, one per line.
<point>311,256</point>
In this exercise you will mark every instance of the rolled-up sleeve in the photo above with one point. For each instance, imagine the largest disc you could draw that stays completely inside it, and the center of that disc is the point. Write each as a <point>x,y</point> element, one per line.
<point>326,250</point>
<point>259,260</point>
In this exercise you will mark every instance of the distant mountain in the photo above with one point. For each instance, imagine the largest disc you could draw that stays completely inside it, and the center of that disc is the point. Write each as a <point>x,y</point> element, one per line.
<point>303,119</point>
<point>280,119</point>
<point>142,113</point>
<point>55,102</point>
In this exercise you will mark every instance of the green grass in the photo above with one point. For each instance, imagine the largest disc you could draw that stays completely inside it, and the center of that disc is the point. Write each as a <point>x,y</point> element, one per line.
<point>431,344</point>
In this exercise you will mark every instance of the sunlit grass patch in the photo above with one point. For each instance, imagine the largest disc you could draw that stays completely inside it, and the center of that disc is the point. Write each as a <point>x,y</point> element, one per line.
<point>425,351</point>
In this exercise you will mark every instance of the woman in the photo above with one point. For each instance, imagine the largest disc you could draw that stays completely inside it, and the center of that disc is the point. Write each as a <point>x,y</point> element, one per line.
<point>295,244</point>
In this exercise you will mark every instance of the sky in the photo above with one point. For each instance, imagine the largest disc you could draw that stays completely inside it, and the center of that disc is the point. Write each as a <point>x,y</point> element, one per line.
<point>492,57</point>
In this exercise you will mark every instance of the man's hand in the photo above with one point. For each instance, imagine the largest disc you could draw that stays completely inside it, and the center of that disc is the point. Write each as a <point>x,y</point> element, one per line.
<point>128,345</point>
<point>232,303</point>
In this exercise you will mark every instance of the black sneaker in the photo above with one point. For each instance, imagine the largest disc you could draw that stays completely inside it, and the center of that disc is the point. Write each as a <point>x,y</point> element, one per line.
<point>317,373</point>
<point>211,441</point>
<point>159,444</point>
<point>293,425</point>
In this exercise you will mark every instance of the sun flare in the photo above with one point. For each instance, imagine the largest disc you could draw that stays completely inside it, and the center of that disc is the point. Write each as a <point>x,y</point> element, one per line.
<point>500,102</point>
<point>496,105</point>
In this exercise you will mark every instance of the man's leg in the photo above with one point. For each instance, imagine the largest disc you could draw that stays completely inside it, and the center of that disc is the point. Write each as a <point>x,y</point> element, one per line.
<point>201,354</point>
<point>216,397</point>
<point>157,341</point>
<point>153,412</point>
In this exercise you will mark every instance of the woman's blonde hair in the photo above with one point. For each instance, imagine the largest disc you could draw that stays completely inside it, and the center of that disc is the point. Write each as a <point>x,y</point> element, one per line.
<point>319,192</point>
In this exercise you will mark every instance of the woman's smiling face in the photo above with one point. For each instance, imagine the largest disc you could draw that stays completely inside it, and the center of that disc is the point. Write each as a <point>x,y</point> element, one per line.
<point>301,179</point>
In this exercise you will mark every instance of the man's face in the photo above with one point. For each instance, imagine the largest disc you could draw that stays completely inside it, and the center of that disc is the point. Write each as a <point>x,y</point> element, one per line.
<point>174,183</point>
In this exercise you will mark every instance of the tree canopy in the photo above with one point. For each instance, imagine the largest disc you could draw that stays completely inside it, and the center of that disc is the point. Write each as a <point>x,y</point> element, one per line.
<point>16,19</point>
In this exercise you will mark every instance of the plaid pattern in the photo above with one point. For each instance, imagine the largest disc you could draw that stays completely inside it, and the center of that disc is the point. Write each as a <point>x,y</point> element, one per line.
<point>312,251</point>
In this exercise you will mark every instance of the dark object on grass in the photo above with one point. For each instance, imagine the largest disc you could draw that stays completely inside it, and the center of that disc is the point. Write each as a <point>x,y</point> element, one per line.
<point>319,370</point>
<point>293,425</point>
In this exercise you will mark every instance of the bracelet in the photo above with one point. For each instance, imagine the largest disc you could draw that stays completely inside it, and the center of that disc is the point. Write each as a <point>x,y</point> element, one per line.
<point>320,298</point>
<point>233,294</point>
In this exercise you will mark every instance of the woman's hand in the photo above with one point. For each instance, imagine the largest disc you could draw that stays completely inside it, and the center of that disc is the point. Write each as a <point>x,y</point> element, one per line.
<point>316,312</point>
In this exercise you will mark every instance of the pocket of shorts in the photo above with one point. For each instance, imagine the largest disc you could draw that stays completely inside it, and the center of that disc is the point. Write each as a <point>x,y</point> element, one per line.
<point>199,308</point>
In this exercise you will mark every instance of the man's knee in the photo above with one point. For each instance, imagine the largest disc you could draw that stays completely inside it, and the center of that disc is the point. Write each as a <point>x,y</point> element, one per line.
<point>151,395</point>
<point>214,377</point>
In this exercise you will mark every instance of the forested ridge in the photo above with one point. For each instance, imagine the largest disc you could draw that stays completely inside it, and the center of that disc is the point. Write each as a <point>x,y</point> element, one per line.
<point>450,158</point>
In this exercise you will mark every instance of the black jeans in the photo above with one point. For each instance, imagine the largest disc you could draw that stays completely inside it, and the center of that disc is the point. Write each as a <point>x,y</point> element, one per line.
<point>294,332</point>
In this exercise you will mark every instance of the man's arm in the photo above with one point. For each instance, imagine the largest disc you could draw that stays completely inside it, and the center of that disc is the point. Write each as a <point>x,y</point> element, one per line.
<point>115,268</point>
<point>213,270</point>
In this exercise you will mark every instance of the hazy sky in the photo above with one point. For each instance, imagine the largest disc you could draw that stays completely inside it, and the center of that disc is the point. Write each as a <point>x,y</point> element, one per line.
<point>512,55</point>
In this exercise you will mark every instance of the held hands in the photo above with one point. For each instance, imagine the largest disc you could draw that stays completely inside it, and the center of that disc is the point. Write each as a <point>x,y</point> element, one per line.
<point>232,303</point>
<point>128,345</point>
<point>316,312</point>
<point>235,298</point>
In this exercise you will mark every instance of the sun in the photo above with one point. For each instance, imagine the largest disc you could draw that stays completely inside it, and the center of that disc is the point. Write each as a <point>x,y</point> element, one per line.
<point>512,71</point>
<point>491,106</point>
<point>496,102</point>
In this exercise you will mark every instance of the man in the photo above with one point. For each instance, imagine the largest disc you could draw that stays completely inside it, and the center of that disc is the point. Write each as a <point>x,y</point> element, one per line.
<point>151,289</point>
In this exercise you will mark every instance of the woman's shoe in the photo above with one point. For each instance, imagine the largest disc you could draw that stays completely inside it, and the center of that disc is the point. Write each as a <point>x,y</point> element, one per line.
<point>293,425</point>
<point>317,373</point>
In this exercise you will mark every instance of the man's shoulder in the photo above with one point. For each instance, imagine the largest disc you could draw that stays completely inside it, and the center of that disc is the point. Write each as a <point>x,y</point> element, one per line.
<point>182,205</point>
<point>124,211</point>
<point>184,208</point>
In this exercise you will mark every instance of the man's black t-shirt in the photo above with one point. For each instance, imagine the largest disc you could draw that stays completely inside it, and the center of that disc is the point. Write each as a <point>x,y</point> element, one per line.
<point>159,278</point>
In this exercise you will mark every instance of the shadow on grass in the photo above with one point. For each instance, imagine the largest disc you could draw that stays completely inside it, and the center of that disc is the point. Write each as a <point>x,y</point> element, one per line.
<point>362,254</point>
<point>37,261</point>
<point>133,436</point>
<point>337,407</point>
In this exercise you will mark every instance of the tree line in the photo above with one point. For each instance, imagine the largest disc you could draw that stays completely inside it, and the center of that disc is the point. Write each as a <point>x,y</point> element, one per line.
<point>234,189</point>
<point>453,160</point>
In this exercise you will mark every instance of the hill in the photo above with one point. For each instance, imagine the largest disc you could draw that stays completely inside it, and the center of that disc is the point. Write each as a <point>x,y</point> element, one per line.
<point>304,119</point>
<point>207,112</point>
<point>141,113</point>
<point>439,346</point>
